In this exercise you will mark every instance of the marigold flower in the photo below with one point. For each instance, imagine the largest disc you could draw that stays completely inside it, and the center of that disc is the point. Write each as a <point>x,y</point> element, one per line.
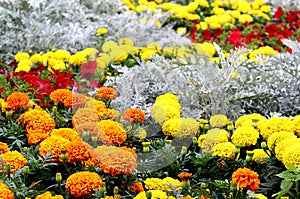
<point>115,160</point>
<point>259,156</point>
<point>37,123</point>
<point>106,93</point>
<point>291,155</point>
<point>107,113</point>
<point>78,100</point>
<point>213,137</point>
<point>245,136</point>
<point>83,115</point>
<point>111,132</point>
<point>181,127</point>
<point>246,178</point>
<point>133,115</point>
<point>162,184</point>
<point>164,113</point>
<point>17,100</point>
<point>83,184</point>
<point>92,127</point>
<point>184,176</point>
<point>63,96</point>
<point>78,151</point>
<point>243,120</point>
<point>5,192</point>
<point>218,120</point>
<point>282,146</point>
<point>66,133</point>
<point>15,159</point>
<point>48,195</point>
<point>278,137</point>
<point>137,186</point>
<point>225,150</point>
<point>154,194</point>
<point>296,124</point>
<point>3,148</point>
<point>95,104</point>
<point>101,31</point>
<point>54,144</point>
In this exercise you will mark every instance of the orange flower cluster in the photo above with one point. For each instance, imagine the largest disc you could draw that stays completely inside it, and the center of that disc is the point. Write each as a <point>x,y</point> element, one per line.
<point>5,192</point>
<point>84,115</point>
<point>106,93</point>
<point>185,176</point>
<point>92,127</point>
<point>111,132</point>
<point>3,148</point>
<point>101,110</point>
<point>82,184</point>
<point>78,100</point>
<point>66,133</point>
<point>115,160</point>
<point>137,186</point>
<point>78,151</point>
<point>133,115</point>
<point>63,96</point>
<point>37,123</point>
<point>48,195</point>
<point>15,159</point>
<point>246,178</point>
<point>17,100</point>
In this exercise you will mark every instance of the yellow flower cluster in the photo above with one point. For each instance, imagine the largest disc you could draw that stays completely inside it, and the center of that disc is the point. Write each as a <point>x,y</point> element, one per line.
<point>277,137</point>
<point>218,120</point>
<point>291,155</point>
<point>162,184</point>
<point>249,120</point>
<point>259,156</point>
<point>225,150</point>
<point>245,136</point>
<point>155,194</point>
<point>180,127</point>
<point>166,107</point>
<point>265,50</point>
<point>212,137</point>
<point>282,146</point>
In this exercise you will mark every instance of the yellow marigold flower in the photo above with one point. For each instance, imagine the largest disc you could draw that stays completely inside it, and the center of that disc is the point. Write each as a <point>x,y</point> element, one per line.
<point>165,102</point>
<point>37,123</point>
<point>48,195</point>
<point>191,7</point>
<point>66,133</point>
<point>180,127</point>
<point>203,25</point>
<point>154,195</point>
<point>171,182</point>
<point>212,137</point>
<point>203,3</point>
<point>36,58</point>
<point>225,150</point>
<point>278,137</point>
<point>5,192</point>
<point>83,184</point>
<point>24,65</point>
<point>274,124</point>
<point>167,96</point>
<point>106,93</point>
<point>83,115</point>
<point>126,41</point>
<point>154,184</point>
<point>205,47</point>
<point>218,120</point>
<point>17,100</point>
<point>234,13</point>
<point>108,46</point>
<point>218,11</point>
<point>244,6</point>
<point>265,8</point>
<point>181,30</point>
<point>282,146</point>
<point>260,196</point>
<point>296,124</point>
<point>111,132</point>
<point>253,118</point>
<point>55,145</point>
<point>164,113</point>
<point>63,96</point>
<point>3,148</point>
<point>192,17</point>
<point>116,160</point>
<point>15,159</point>
<point>291,155</point>
<point>245,136</point>
<point>21,56</point>
<point>78,58</point>
<point>101,31</point>
<point>259,156</point>
<point>201,139</point>
<point>265,50</point>
<point>147,54</point>
<point>62,55</point>
<point>154,46</point>
<point>244,18</point>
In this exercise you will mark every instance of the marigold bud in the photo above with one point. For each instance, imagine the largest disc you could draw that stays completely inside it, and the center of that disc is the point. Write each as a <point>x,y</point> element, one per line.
<point>263,145</point>
<point>58,178</point>
<point>26,169</point>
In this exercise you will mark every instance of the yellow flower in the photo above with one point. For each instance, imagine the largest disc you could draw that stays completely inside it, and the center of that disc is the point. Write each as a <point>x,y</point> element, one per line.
<point>164,113</point>
<point>291,155</point>
<point>24,65</point>
<point>118,55</point>
<point>154,46</point>
<point>5,192</point>
<point>155,194</point>
<point>207,47</point>
<point>78,58</point>
<point>101,31</point>
<point>108,46</point>
<point>36,58</point>
<point>218,120</point>
<point>277,137</point>
<point>126,41</point>
<point>203,25</point>
<point>191,7</point>
<point>245,136</point>
<point>265,8</point>
<point>147,54</point>
<point>244,6</point>
<point>21,56</point>
<point>259,156</point>
<point>62,55</point>
<point>244,18</point>
<point>203,3</point>
<point>15,159</point>
<point>282,146</point>
<point>180,127</point>
<point>225,150</point>
<point>48,195</point>
<point>212,137</point>
<point>181,30</point>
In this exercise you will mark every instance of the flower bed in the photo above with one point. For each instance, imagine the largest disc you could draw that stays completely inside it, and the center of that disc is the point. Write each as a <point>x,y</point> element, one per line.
<point>191,100</point>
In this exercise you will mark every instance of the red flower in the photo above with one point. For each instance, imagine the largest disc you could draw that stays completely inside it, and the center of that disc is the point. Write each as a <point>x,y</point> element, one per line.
<point>193,34</point>
<point>251,36</point>
<point>286,33</point>
<point>218,32</point>
<point>292,16</point>
<point>272,30</point>
<point>279,12</point>
<point>62,81</point>
<point>235,37</point>
<point>88,68</point>
<point>206,34</point>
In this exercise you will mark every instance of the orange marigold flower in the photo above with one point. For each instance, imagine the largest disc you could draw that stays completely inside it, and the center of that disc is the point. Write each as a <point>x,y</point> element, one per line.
<point>106,93</point>
<point>107,113</point>
<point>78,151</point>
<point>133,115</point>
<point>115,160</point>
<point>5,192</point>
<point>111,132</point>
<point>185,176</point>
<point>246,178</point>
<point>83,115</point>
<point>92,127</point>
<point>55,145</point>
<point>37,123</point>
<point>15,159</point>
<point>63,96</point>
<point>95,104</point>
<point>17,100</point>
<point>83,183</point>
<point>3,148</point>
<point>48,195</point>
<point>137,186</point>
<point>78,100</point>
<point>66,133</point>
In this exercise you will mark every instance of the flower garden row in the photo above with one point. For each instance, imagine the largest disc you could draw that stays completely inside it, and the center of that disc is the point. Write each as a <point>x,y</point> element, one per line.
<point>62,138</point>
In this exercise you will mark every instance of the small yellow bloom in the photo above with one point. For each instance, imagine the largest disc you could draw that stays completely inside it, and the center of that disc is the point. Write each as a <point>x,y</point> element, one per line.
<point>101,31</point>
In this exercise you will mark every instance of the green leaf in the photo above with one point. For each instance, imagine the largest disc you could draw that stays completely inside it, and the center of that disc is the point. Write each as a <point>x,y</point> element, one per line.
<point>285,175</point>
<point>287,186</point>
<point>285,183</point>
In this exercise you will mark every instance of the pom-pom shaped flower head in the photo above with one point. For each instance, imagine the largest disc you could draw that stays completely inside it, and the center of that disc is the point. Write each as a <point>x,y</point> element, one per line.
<point>246,179</point>
<point>5,192</point>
